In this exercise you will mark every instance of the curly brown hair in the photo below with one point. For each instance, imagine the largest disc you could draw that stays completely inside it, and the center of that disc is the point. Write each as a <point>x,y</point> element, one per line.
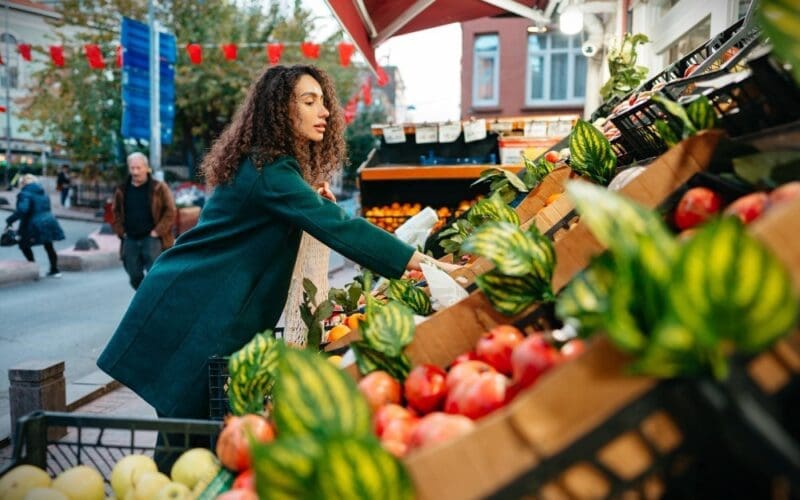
<point>262,129</point>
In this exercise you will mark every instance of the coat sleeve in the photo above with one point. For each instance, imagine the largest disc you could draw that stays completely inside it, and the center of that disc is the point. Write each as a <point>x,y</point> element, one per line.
<point>23,207</point>
<point>167,217</point>
<point>285,193</point>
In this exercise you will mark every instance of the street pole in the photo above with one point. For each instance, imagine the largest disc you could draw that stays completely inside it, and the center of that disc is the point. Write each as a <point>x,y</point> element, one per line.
<point>8,100</point>
<point>155,105</point>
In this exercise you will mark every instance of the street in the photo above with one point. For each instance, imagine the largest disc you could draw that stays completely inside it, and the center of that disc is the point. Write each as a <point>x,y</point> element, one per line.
<point>67,319</point>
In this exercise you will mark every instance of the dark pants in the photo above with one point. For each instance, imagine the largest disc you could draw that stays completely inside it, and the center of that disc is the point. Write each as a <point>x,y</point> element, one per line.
<point>52,256</point>
<point>138,255</point>
<point>64,195</point>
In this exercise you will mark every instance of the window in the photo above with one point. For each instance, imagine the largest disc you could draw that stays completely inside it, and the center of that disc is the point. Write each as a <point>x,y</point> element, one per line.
<point>486,71</point>
<point>692,39</point>
<point>556,73</point>
<point>9,70</point>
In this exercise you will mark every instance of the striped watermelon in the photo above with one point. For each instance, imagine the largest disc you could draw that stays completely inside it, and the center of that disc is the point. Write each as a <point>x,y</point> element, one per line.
<point>511,294</point>
<point>286,468</point>
<point>591,154</point>
<point>406,292</point>
<point>702,114</point>
<point>513,252</point>
<point>388,328</point>
<point>369,360</point>
<point>492,208</point>
<point>252,372</point>
<point>314,397</point>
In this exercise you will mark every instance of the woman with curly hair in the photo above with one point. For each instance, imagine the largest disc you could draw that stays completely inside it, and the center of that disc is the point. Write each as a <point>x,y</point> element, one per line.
<point>227,278</point>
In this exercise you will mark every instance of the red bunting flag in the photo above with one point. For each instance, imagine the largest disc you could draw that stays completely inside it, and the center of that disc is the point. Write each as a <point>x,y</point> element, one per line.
<point>25,51</point>
<point>57,55</point>
<point>2,63</point>
<point>274,51</point>
<point>383,78</point>
<point>94,56</point>
<point>2,109</point>
<point>119,56</point>
<point>345,53</point>
<point>366,91</point>
<point>229,51</point>
<point>195,51</point>
<point>350,109</point>
<point>310,50</point>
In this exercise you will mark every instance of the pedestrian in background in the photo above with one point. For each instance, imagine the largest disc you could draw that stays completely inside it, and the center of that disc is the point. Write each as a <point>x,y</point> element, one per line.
<point>37,226</point>
<point>144,212</point>
<point>63,184</point>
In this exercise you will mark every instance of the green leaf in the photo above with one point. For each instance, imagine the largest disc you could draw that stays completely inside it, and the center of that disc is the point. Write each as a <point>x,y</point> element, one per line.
<point>310,290</point>
<point>510,295</point>
<point>591,154</point>
<point>743,294</point>
<point>666,133</point>
<point>368,360</point>
<point>493,208</point>
<point>780,20</point>
<point>677,111</point>
<point>313,397</point>
<point>406,292</point>
<point>505,245</point>
<point>771,168</point>
<point>388,329</point>
<point>584,301</point>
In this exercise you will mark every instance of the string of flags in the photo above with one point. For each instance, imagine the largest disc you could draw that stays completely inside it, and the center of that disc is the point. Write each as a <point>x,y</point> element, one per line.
<point>195,51</point>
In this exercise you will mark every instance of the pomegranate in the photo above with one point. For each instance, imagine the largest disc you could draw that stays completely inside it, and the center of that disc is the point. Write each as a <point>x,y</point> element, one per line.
<point>531,359</point>
<point>380,388</point>
<point>466,371</point>
<point>552,157</point>
<point>438,427</point>
<point>749,207</point>
<point>238,494</point>
<point>387,414</point>
<point>425,388</point>
<point>233,446</point>
<point>495,346</point>
<point>478,396</point>
<point>467,356</point>
<point>696,206</point>
<point>245,481</point>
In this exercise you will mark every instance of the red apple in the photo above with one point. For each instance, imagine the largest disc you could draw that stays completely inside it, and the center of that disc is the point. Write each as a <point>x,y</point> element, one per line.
<point>696,206</point>
<point>689,70</point>
<point>400,430</point>
<point>425,388</point>
<point>466,371</point>
<point>478,396</point>
<point>379,388</point>
<point>467,356</point>
<point>495,346</point>
<point>552,156</point>
<point>749,207</point>
<point>785,193</point>
<point>531,359</point>
<point>572,349</point>
<point>387,414</point>
<point>438,427</point>
<point>245,481</point>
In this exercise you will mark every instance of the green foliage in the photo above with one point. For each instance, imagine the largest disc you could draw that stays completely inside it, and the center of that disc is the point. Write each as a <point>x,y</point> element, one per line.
<point>780,20</point>
<point>503,183</point>
<point>591,154</point>
<point>406,292</point>
<point>494,208</point>
<point>697,115</point>
<point>313,314</point>
<point>535,171</point>
<point>626,76</point>
<point>348,297</point>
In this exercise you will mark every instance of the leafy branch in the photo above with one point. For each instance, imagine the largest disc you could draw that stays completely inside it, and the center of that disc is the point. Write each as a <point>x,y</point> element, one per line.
<point>313,314</point>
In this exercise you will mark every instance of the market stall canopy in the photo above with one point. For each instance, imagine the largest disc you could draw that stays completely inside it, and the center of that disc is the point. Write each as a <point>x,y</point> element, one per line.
<point>372,22</point>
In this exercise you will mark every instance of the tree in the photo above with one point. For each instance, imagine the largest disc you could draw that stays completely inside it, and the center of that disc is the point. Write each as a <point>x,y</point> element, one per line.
<point>80,108</point>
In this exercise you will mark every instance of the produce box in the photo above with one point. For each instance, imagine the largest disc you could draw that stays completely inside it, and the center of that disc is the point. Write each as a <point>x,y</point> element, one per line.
<point>98,442</point>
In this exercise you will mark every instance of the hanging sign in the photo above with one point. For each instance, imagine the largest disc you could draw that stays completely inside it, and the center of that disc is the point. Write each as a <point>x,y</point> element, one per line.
<point>559,128</point>
<point>501,126</point>
<point>535,128</point>
<point>426,135</point>
<point>449,132</point>
<point>475,130</point>
<point>394,135</point>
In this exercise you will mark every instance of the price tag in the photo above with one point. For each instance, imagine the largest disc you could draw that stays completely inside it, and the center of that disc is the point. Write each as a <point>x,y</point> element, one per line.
<point>394,135</point>
<point>426,135</point>
<point>475,131</point>
<point>559,128</point>
<point>449,132</point>
<point>501,126</point>
<point>536,129</point>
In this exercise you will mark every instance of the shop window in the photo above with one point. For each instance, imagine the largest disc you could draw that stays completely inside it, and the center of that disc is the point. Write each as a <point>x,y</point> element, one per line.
<point>556,73</point>
<point>9,72</point>
<point>690,40</point>
<point>486,71</point>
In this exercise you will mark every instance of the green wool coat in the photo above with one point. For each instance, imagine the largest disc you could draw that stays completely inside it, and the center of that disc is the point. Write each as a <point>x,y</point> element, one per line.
<point>227,279</point>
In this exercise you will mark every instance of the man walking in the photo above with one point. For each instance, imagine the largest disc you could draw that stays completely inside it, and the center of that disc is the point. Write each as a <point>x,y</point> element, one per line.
<point>144,213</point>
<point>63,183</point>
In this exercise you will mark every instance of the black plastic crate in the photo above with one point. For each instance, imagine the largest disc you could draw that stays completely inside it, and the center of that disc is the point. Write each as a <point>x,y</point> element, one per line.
<point>57,441</point>
<point>638,133</point>
<point>218,379</point>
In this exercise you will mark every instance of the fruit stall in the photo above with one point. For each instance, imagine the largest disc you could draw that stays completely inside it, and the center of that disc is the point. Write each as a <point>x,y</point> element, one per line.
<point>628,326</point>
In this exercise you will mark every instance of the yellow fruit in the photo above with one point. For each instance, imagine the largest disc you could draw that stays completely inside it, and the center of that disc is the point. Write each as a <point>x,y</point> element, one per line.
<point>21,479</point>
<point>128,469</point>
<point>338,332</point>
<point>194,466</point>
<point>174,491</point>
<point>148,484</point>
<point>44,494</point>
<point>354,319</point>
<point>335,360</point>
<point>80,483</point>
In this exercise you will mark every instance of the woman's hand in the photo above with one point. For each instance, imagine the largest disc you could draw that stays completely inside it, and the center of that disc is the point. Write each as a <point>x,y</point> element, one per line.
<point>324,190</point>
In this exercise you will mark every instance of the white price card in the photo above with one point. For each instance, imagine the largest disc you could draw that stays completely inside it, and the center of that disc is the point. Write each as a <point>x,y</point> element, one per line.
<point>536,129</point>
<point>394,135</point>
<point>475,130</point>
<point>501,126</point>
<point>559,128</point>
<point>426,135</point>
<point>449,132</point>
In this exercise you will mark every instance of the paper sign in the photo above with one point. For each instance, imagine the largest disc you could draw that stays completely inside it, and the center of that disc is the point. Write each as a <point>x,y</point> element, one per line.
<point>425,135</point>
<point>559,128</point>
<point>536,129</point>
<point>501,126</point>
<point>449,132</point>
<point>394,135</point>
<point>475,131</point>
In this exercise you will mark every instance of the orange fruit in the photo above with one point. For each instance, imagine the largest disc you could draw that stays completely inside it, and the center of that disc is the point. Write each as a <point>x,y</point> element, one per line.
<point>338,332</point>
<point>354,319</point>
